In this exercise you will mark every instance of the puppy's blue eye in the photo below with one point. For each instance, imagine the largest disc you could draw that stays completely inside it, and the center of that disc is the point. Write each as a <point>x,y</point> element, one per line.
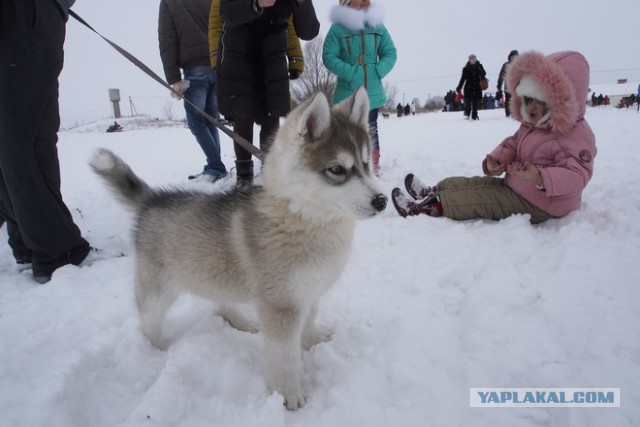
<point>337,170</point>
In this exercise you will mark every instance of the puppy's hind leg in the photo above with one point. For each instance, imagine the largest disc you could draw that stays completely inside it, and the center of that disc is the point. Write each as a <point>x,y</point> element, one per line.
<point>314,334</point>
<point>282,327</point>
<point>236,318</point>
<point>154,299</point>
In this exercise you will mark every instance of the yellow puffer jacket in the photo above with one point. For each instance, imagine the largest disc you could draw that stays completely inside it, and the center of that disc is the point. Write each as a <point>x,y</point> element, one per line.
<point>294,49</point>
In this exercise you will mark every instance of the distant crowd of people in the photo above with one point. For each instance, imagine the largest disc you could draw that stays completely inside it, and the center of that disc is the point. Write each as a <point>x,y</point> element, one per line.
<point>599,100</point>
<point>406,110</point>
<point>623,102</point>
<point>488,102</point>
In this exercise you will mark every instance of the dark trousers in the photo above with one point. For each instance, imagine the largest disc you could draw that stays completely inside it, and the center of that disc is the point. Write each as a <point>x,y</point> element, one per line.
<point>373,128</point>
<point>471,105</point>
<point>39,223</point>
<point>244,127</point>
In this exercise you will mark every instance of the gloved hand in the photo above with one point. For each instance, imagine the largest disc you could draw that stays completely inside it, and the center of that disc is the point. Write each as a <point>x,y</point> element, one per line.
<point>180,88</point>
<point>499,94</point>
<point>294,74</point>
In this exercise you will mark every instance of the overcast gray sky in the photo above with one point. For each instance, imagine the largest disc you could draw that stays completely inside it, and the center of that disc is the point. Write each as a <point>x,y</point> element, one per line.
<point>433,41</point>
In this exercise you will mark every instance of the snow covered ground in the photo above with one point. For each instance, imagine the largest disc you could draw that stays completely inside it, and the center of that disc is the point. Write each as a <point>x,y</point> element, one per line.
<point>426,309</point>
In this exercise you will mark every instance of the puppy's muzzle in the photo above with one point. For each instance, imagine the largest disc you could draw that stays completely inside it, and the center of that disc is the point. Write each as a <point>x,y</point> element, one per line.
<point>379,202</point>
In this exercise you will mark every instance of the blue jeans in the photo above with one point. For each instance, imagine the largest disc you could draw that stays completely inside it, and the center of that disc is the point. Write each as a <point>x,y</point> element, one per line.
<point>202,93</point>
<point>373,128</point>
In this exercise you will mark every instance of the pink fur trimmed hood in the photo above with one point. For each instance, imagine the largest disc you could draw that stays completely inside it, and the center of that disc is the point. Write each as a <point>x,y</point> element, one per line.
<point>560,79</point>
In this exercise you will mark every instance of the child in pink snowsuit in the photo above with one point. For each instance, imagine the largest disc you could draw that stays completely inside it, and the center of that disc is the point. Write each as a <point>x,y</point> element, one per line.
<point>547,162</point>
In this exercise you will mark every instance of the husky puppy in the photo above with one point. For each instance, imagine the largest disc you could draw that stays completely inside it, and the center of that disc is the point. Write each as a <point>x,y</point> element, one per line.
<point>280,246</point>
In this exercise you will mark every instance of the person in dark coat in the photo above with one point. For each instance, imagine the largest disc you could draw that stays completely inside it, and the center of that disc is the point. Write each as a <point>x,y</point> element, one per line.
<point>502,78</point>
<point>41,229</point>
<point>253,71</point>
<point>472,73</point>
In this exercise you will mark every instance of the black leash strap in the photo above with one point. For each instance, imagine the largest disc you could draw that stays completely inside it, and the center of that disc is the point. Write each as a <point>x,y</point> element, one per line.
<point>231,134</point>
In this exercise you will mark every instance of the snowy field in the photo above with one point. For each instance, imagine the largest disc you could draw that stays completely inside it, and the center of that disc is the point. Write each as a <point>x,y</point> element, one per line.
<point>426,309</point>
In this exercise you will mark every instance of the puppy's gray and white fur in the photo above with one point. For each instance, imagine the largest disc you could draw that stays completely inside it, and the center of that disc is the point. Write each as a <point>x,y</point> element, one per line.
<point>280,246</point>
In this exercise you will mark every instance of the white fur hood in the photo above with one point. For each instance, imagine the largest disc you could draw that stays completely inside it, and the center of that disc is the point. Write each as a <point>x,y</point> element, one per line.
<point>355,19</point>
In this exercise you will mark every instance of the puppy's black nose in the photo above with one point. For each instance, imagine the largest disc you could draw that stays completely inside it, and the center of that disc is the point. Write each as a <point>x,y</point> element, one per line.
<point>379,202</point>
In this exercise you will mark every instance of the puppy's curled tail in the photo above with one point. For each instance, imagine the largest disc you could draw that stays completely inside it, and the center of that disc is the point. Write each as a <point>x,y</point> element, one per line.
<point>130,189</point>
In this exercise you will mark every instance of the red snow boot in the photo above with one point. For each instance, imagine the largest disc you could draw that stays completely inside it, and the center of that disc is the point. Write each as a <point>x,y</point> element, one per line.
<point>430,205</point>
<point>416,188</point>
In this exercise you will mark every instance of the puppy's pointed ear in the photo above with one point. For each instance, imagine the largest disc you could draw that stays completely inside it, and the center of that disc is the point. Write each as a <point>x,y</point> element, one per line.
<point>356,107</point>
<point>315,118</point>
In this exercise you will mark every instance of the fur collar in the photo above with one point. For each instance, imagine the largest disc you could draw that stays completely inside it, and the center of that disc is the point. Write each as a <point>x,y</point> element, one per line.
<point>560,79</point>
<point>355,19</point>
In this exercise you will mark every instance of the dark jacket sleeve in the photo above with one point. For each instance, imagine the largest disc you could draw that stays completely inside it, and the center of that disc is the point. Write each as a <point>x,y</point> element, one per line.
<point>168,43</point>
<point>463,77</point>
<point>305,20</point>
<point>215,29</point>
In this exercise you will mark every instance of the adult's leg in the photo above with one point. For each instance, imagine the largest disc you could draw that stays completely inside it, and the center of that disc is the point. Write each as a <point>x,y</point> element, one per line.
<point>467,106</point>
<point>21,252</point>
<point>212,110</point>
<point>373,128</point>
<point>198,94</point>
<point>268,129</point>
<point>375,142</point>
<point>475,104</point>
<point>244,165</point>
<point>31,56</point>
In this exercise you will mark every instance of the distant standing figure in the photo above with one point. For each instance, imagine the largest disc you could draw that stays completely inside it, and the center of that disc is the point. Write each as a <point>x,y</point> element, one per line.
<point>413,108</point>
<point>41,229</point>
<point>502,78</point>
<point>183,28</point>
<point>472,73</point>
<point>359,50</point>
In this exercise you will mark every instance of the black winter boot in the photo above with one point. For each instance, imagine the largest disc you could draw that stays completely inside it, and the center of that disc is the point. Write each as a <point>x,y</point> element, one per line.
<point>244,172</point>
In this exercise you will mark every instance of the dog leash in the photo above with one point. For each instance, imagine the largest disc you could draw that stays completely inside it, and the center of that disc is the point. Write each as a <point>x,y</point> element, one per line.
<point>231,134</point>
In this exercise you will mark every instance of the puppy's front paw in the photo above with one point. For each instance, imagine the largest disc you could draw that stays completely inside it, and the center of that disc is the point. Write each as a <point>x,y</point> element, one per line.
<point>316,335</point>
<point>294,401</point>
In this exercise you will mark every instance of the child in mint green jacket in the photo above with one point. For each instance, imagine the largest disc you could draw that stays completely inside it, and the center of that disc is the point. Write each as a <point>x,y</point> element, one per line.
<point>359,51</point>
